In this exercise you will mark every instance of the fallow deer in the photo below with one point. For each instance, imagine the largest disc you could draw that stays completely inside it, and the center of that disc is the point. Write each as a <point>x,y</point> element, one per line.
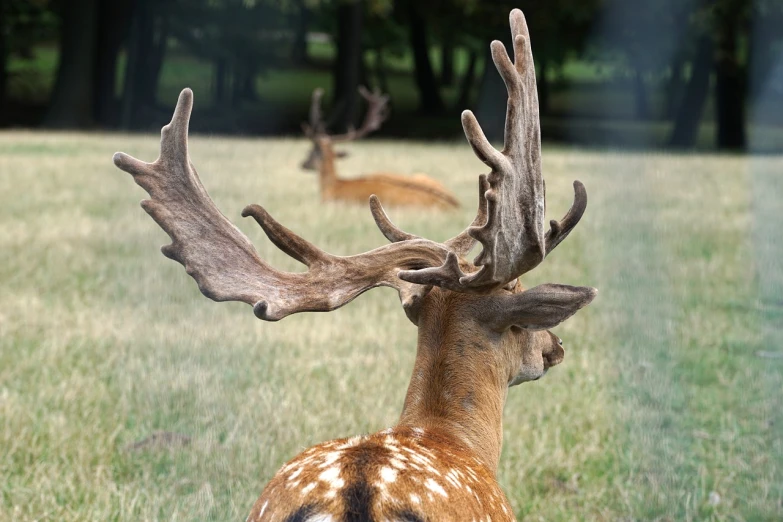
<point>394,189</point>
<point>480,332</point>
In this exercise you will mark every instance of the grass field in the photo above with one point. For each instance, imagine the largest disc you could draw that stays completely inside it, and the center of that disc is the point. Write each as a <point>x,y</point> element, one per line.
<point>668,405</point>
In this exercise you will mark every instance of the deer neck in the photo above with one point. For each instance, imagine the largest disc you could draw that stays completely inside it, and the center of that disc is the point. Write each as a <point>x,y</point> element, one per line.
<point>327,170</point>
<point>456,389</point>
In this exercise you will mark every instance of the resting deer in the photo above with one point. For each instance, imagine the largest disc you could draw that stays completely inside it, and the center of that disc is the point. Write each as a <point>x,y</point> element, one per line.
<point>480,332</point>
<point>395,189</point>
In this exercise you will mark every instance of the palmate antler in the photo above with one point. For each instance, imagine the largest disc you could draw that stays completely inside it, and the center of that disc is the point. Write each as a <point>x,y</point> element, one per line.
<point>512,235</point>
<point>223,261</point>
<point>508,223</point>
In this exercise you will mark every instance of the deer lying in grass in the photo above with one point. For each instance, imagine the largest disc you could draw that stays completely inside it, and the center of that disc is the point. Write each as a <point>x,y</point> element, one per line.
<point>395,189</point>
<point>480,332</point>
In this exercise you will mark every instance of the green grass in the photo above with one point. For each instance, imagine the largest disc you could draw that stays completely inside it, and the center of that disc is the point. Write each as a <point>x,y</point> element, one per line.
<point>660,411</point>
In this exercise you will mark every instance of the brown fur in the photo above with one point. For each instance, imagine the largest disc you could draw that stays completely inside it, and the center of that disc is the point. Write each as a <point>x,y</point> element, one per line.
<point>422,473</point>
<point>444,452</point>
<point>392,189</point>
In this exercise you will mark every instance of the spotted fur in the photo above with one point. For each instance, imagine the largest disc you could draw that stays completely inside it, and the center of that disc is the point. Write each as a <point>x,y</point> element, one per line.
<point>403,474</point>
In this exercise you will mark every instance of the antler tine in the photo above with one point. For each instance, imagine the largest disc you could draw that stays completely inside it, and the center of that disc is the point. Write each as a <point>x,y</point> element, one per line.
<point>463,243</point>
<point>316,126</point>
<point>224,263</point>
<point>560,229</point>
<point>389,230</point>
<point>511,231</point>
<point>377,112</point>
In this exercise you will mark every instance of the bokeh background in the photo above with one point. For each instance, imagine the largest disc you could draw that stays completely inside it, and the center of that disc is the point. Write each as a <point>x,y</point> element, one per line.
<point>639,73</point>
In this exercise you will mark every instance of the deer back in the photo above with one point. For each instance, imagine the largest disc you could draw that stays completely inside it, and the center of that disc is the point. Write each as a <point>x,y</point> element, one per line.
<point>398,474</point>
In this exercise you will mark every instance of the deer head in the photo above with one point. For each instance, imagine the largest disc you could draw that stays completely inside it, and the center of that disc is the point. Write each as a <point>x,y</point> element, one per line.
<point>480,331</point>
<point>315,129</point>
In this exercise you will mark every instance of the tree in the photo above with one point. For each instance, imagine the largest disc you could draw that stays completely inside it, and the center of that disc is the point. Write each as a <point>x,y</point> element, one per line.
<point>72,100</point>
<point>721,27</point>
<point>242,39</point>
<point>301,23</point>
<point>347,68</point>
<point>730,19</point>
<point>645,35</point>
<point>4,31</point>
<point>91,35</point>
<point>689,115</point>
<point>114,20</point>
<point>447,47</point>
<point>430,101</point>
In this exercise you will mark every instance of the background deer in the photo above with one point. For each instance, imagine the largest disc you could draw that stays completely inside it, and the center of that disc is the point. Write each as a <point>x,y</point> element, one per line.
<point>480,332</point>
<point>395,189</point>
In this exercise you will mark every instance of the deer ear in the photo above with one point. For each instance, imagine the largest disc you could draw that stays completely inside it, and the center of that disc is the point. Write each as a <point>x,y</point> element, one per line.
<point>539,308</point>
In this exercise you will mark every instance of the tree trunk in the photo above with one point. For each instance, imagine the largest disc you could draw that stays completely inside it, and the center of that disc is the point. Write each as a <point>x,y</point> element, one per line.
<point>469,78</point>
<point>675,85</point>
<point>152,51</point>
<point>72,100</point>
<point>686,125</point>
<point>765,33</point>
<point>114,18</point>
<point>299,50</point>
<point>641,105</point>
<point>221,81</point>
<point>430,101</point>
<point>3,57</point>
<point>729,88</point>
<point>347,72</point>
<point>447,59</point>
<point>380,70</point>
<point>543,82</point>
<point>146,46</point>
<point>247,86</point>
<point>132,59</point>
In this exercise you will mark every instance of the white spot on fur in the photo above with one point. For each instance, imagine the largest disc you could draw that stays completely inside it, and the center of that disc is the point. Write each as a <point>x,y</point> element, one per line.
<point>329,459</point>
<point>415,498</point>
<point>421,459</point>
<point>418,431</point>
<point>308,488</point>
<point>396,463</point>
<point>388,474</point>
<point>263,508</point>
<point>433,471</point>
<point>350,443</point>
<point>437,488</point>
<point>320,518</point>
<point>451,477</point>
<point>331,476</point>
<point>295,474</point>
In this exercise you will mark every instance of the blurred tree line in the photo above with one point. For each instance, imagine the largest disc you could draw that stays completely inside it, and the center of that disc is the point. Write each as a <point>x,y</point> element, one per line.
<point>689,54</point>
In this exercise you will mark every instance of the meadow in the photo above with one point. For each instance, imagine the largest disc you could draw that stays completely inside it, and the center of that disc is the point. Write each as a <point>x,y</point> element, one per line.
<point>668,405</point>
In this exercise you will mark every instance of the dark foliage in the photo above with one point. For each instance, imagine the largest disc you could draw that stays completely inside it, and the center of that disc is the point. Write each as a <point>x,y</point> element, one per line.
<point>678,62</point>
